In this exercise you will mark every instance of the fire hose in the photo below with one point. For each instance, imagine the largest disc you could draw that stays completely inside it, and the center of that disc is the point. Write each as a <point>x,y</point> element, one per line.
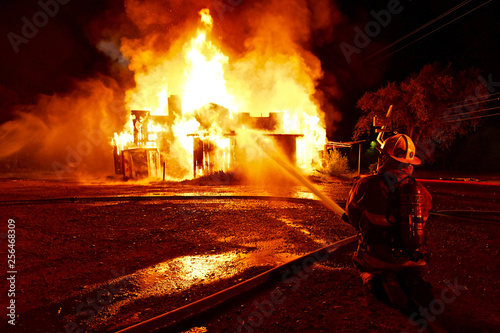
<point>207,303</point>
<point>292,171</point>
<point>229,293</point>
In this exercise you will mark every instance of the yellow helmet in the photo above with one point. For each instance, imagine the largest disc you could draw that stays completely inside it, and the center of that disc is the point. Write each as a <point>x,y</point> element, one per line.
<point>401,148</point>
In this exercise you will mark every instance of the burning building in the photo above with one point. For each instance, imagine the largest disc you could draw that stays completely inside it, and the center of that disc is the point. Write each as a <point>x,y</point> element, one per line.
<point>148,152</point>
<point>208,113</point>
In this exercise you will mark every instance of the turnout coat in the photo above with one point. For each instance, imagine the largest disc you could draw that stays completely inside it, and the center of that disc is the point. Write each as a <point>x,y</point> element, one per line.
<point>368,209</point>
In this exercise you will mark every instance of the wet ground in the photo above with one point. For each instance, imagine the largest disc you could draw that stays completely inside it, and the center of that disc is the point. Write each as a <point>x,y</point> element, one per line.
<point>99,266</point>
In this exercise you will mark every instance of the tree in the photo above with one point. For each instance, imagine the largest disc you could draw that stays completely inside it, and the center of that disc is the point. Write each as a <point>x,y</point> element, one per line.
<point>433,107</point>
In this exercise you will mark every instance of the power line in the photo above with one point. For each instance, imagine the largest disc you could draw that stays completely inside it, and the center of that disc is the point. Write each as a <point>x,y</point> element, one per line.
<point>457,104</point>
<point>420,28</point>
<point>477,117</point>
<point>488,115</point>
<point>444,25</point>
<point>476,111</point>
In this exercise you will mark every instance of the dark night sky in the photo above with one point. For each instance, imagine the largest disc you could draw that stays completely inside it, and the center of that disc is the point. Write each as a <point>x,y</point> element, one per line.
<point>470,41</point>
<point>64,48</point>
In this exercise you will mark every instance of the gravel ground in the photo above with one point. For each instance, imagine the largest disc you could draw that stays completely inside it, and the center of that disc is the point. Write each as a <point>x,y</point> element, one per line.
<point>141,259</point>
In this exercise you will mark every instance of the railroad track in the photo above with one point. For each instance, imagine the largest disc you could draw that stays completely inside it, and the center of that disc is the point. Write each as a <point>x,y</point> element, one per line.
<point>184,313</point>
<point>236,292</point>
<point>152,198</point>
<point>469,215</point>
<point>220,298</point>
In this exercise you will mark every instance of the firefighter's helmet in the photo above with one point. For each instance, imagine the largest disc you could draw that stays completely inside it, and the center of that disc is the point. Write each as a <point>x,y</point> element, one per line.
<point>401,148</point>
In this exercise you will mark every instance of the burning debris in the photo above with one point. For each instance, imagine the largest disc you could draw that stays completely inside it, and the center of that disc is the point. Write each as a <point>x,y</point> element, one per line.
<point>148,151</point>
<point>210,123</point>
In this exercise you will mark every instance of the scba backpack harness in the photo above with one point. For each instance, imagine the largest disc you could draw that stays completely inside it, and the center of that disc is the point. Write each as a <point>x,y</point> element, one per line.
<point>406,204</point>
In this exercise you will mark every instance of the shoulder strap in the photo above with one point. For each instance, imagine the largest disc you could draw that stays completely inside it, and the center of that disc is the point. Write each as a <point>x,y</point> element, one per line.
<point>394,198</point>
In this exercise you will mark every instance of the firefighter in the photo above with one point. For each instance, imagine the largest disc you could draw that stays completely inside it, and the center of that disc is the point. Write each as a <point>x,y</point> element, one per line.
<point>389,210</point>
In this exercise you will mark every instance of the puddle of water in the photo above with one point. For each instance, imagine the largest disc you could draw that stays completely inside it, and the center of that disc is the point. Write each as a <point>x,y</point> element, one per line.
<point>102,203</point>
<point>183,273</point>
<point>304,195</point>
<point>175,276</point>
<point>180,274</point>
<point>251,192</point>
<point>204,194</point>
<point>192,269</point>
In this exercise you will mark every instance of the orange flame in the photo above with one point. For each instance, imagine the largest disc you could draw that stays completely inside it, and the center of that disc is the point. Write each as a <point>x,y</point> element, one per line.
<point>200,74</point>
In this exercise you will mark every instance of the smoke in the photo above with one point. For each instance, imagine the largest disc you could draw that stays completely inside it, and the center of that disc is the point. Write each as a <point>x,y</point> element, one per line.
<point>65,134</point>
<point>282,37</point>
<point>112,50</point>
<point>270,45</point>
<point>257,161</point>
<point>272,67</point>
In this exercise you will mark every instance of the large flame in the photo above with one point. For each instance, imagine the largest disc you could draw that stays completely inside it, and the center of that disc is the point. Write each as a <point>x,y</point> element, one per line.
<point>210,83</point>
<point>205,82</point>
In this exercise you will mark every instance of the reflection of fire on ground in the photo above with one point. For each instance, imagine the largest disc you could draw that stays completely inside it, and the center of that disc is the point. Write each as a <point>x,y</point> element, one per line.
<point>205,124</point>
<point>180,274</point>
